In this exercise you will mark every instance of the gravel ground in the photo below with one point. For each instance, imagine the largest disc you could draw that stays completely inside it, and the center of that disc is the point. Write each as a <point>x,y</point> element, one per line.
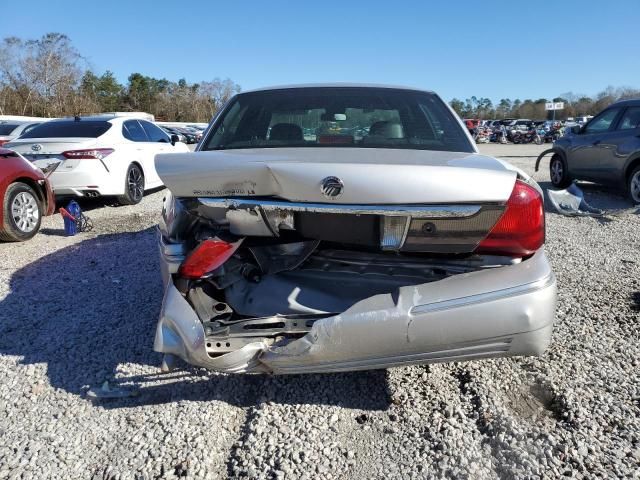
<point>77,311</point>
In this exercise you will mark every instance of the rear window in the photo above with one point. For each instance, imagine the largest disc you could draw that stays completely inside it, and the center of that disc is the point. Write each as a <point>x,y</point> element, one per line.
<point>71,128</point>
<point>355,117</point>
<point>7,128</point>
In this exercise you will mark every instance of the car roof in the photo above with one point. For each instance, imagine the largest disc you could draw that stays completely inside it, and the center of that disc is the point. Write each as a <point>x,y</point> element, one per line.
<point>631,102</point>
<point>97,118</point>
<point>336,85</point>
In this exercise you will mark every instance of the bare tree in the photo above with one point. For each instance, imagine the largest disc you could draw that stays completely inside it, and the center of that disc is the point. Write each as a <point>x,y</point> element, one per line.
<point>44,74</point>
<point>216,93</point>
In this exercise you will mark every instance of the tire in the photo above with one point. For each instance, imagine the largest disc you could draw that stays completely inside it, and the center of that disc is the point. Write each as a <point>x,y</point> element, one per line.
<point>22,213</point>
<point>133,186</point>
<point>633,185</point>
<point>558,172</point>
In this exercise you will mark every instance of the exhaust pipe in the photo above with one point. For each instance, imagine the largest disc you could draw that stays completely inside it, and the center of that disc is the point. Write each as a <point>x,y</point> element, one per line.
<point>90,193</point>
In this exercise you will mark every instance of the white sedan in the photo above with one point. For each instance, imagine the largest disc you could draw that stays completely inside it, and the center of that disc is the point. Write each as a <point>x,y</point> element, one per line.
<point>99,155</point>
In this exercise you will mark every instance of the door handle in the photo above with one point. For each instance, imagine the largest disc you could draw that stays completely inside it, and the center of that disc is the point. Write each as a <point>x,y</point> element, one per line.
<point>597,142</point>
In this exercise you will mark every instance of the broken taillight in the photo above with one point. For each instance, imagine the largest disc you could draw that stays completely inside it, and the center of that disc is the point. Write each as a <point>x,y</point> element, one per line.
<point>206,257</point>
<point>520,229</point>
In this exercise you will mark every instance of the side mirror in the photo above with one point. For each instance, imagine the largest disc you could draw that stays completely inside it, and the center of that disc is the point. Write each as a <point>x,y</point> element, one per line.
<point>576,129</point>
<point>174,139</point>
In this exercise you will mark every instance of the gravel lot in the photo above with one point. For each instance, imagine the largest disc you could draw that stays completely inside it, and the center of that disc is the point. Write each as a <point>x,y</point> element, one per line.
<point>77,311</point>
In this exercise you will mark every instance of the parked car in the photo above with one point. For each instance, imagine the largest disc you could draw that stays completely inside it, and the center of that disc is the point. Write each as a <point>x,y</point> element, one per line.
<point>286,254</point>
<point>606,150</point>
<point>99,155</point>
<point>26,197</point>
<point>174,131</point>
<point>471,124</point>
<point>12,130</point>
<point>522,124</point>
<point>194,131</point>
<point>170,131</point>
<point>190,135</point>
<point>583,119</point>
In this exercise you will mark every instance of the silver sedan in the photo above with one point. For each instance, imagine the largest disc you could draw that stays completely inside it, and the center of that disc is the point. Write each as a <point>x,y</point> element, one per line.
<point>343,227</point>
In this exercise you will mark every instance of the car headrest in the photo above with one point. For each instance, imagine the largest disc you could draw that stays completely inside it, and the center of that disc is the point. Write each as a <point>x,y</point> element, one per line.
<point>387,129</point>
<point>285,131</point>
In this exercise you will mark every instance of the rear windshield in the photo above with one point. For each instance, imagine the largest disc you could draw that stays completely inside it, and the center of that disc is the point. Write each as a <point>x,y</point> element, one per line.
<point>338,117</point>
<point>71,128</point>
<point>7,128</point>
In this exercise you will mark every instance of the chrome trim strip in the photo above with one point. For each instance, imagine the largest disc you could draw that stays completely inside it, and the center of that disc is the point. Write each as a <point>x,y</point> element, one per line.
<point>484,297</point>
<point>415,211</point>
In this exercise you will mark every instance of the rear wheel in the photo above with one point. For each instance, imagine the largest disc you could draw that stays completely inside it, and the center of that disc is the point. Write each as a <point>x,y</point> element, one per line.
<point>558,172</point>
<point>133,186</point>
<point>633,185</point>
<point>22,213</point>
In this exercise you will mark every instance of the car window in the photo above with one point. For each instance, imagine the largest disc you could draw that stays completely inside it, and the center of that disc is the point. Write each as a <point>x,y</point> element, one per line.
<point>29,128</point>
<point>630,119</point>
<point>352,117</point>
<point>68,129</point>
<point>132,130</point>
<point>602,122</point>
<point>154,133</point>
<point>7,128</point>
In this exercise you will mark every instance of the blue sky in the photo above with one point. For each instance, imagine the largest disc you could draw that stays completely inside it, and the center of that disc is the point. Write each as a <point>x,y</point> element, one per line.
<point>518,49</point>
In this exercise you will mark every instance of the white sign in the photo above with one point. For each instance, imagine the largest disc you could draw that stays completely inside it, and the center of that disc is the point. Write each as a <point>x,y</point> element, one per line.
<point>554,106</point>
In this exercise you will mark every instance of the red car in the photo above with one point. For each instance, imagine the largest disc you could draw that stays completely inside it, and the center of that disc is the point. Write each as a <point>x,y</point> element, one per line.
<point>25,194</point>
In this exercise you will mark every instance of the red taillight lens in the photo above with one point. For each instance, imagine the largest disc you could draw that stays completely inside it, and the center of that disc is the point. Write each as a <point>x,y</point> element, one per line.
<point>206,257</point>
<point>96,153</point>
<point>520,229</point>
<point>2,142</point>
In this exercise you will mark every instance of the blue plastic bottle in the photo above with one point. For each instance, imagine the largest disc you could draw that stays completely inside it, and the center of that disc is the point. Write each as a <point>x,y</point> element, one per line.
<point>71,226</point>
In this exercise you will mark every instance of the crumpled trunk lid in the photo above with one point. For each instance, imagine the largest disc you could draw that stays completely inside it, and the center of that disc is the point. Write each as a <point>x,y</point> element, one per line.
<point>369,176</point>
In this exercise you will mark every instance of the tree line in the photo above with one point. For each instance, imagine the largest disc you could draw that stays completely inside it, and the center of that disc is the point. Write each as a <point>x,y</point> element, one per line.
<point>48,77</point>
<point>574,105</point>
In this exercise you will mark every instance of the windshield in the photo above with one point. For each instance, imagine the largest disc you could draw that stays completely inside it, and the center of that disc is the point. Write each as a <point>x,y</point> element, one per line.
<point>338,117</point>
<point>67,129</point>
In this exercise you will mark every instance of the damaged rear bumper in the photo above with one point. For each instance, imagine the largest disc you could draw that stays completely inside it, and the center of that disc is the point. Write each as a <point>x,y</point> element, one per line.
<point>488,313</point>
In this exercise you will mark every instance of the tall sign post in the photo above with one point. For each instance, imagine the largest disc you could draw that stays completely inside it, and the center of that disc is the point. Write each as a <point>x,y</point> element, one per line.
<point>553,106</point>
